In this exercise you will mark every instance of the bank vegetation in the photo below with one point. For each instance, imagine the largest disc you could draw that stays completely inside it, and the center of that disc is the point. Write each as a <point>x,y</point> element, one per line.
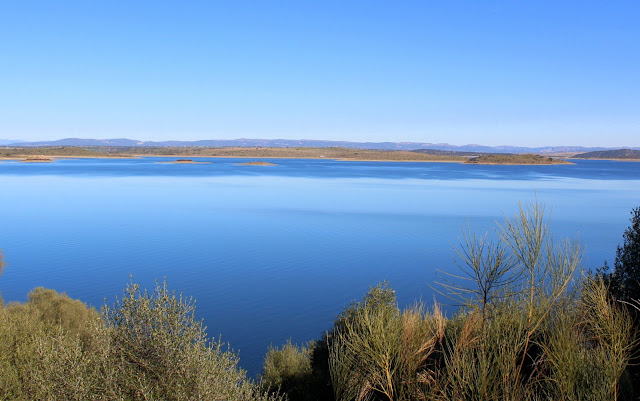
<point>520,159</point>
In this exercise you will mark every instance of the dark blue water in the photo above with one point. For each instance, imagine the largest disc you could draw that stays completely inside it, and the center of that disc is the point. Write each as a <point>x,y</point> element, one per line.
<point>276,252</point>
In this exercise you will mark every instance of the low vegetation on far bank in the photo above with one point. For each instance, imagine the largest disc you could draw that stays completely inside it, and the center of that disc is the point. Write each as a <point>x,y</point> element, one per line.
<point>618,154</point>
<point>530,327</point>
<point>524,159</point>
<point>423,155</point>
<point>233,152</point>
<point>27,153</point>
<point>297,152</point>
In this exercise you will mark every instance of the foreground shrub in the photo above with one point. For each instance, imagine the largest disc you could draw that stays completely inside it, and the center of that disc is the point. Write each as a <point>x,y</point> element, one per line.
<point>379,352</point>
<point>35,336</point>
<point>146,346</point>
<point>587,347</point>
<point>162,352</point>
<point>525,331</point>
<point>288,368</point>
<point>624,280</point>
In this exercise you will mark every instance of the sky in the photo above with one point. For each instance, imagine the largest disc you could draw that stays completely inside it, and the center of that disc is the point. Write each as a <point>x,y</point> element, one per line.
<point>525,73</point>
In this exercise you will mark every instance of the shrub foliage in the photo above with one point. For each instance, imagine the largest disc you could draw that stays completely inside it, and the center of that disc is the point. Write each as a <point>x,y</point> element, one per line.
<point>145,347</point>
<point>624,280</point>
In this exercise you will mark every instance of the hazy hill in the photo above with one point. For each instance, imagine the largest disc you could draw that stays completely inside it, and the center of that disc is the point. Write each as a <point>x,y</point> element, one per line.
<point>9,141</point>
<point>291,143</point>
<point>610,154</point>
<point>84,142</point>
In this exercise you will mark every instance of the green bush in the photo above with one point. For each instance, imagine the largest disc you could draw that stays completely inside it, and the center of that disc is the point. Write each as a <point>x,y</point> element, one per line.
<point>288,368</point>
<point>162,352</point>
<point>34,335</point>
<point>624,280</point>
<point>146,346</point>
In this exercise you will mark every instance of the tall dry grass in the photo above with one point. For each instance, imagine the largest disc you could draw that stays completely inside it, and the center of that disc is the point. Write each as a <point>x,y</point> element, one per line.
<point>380,352</point>
<point>527,329</point>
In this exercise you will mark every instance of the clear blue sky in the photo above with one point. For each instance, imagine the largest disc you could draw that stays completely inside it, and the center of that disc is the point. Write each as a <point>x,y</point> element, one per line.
<point>490,72</point>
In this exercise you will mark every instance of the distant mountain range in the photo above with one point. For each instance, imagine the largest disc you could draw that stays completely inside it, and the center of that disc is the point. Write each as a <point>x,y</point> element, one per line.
<point>289,143</point>
<point>9,141</point>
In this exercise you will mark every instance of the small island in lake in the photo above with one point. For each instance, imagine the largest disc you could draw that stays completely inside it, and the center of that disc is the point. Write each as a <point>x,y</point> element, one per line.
<point>37,159</point>
<point>257,163</point>
<point>184,161</point>
<point>521,159</point>
<point>617,154</point>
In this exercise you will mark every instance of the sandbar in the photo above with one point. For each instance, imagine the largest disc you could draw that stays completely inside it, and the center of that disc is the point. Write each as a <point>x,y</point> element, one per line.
<point>257,163</point>
<point>183,161</point>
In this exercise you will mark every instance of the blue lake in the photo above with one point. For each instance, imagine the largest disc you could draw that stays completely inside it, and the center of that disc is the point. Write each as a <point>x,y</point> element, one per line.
<point>276,252</point>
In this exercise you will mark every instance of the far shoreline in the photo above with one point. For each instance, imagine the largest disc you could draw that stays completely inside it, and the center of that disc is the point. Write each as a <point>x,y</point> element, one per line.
<point>306,158</point>
<point>300,153</point>
<point>611,160</point>
<point>565,161</point>
<point>141,156</point>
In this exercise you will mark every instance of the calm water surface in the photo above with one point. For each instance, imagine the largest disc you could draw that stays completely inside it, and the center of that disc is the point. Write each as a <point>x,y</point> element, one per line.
<point>276,252</point>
